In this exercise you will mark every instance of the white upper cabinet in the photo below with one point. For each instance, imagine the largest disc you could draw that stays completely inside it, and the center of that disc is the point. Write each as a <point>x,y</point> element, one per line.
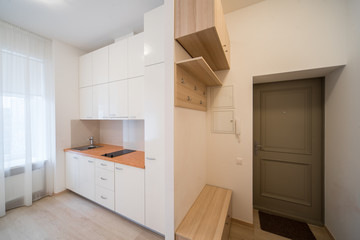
<point>154,27</point>
<point>85,70</point>
<point>100,101</point>
<point>136,55</point>
<point>100,65</point>
<point>118,99</point>
<point>118,53</point>
<point>136,98</point>
<point>86,102</point>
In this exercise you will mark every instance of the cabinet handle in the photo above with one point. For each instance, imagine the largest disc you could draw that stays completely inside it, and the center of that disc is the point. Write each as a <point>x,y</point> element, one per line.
<point>103,164</point>
<point>103,197</point>
<point>103,178</point>
<point>182,80</point>
<point>200,101</point>
<point>76,158</point>
<point>117,168</point>
<point>150,158</point>
<point>189,98</point>
<point>90,161</point>
<point>224,45</point>
<point>226,50</point>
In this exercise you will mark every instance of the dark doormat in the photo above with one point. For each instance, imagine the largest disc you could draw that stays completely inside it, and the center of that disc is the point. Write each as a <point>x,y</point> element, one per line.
<point>285,227</point>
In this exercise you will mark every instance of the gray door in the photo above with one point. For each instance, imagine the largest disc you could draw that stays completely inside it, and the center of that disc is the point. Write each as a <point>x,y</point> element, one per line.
<point>288,133</point>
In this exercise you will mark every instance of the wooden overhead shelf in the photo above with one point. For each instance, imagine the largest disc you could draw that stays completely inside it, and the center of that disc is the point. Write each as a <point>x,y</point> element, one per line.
<point>199,69</point>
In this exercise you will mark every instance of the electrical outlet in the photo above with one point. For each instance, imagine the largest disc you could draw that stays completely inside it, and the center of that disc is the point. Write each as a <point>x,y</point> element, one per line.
<point>239,161</point>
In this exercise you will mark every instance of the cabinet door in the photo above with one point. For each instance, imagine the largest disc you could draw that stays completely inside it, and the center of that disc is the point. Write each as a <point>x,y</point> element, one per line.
<point>118,60</point>
<point>100,101</point>
<point>136,98</point>
<point>154,27</point>
<point>72,161</point>
<point>118,95</point>
<point>86,177</point>
<point>101,65</point>
<point>154,115</point>
<point>136,55</point>
<point>85,70</point>
<point>129,198</point>
<point>86,98</point>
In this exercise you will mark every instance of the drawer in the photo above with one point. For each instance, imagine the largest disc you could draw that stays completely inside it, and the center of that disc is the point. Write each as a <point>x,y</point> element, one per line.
<point>73,156</point>
<point>104,178</point>
<point>104,197</point>
<point>107,165</point>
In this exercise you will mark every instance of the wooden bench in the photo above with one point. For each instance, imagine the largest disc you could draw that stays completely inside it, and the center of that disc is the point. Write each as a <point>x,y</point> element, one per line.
<point>209,218</point>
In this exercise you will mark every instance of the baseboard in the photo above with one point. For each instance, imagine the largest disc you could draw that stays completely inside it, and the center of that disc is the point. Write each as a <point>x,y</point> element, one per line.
<point>329,233</point>
<point>242,222</point>
<point>59,193</point>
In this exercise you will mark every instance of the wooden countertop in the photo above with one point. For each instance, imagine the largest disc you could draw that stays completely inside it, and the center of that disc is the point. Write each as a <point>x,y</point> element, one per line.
<point>134,159</point>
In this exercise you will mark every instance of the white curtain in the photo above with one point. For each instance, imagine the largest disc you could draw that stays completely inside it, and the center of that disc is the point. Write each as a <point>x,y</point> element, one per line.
<point>26,117</point>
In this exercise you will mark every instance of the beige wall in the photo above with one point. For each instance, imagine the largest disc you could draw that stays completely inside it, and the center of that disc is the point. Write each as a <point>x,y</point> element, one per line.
<point>190,153</point>
<point>272,36</point>
<point>342,132</point>
<point>65,60</point>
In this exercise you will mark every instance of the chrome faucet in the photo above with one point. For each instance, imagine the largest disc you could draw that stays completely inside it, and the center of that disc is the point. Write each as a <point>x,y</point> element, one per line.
<point>91,139</point>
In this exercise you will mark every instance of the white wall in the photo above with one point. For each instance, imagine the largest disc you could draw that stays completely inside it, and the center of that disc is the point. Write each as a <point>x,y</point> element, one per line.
<point>272,36</point>
<point>190,153</point>
<point>342,132</point>
<point>65,59</point>
<point>133,135</point>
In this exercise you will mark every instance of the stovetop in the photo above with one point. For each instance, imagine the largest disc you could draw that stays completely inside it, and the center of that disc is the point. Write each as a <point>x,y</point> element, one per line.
<point>118,153</point>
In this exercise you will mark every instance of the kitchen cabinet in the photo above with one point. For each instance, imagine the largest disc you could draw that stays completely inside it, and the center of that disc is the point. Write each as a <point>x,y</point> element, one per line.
<point>201,29</point>
<point>136,55</point>
<point>118,54</point>
<point>85,70</point>
<point>85,99</point>
<point>100,65</point>
<point>136,98</point>
<point>104,183</point>
<point>129,198</point>
<point>154,36</point>
<point>118,99</point>
<point>100,101</point>
<point>86,177</point>
<point>154,115</point>
<point>72,166</point>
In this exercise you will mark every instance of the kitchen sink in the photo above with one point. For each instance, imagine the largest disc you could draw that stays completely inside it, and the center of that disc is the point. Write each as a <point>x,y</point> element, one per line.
<point>86,147</point>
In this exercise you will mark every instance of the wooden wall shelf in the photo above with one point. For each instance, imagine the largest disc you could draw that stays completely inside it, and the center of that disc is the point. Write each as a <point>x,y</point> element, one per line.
<point>200,70</point>
<point>192,77</point>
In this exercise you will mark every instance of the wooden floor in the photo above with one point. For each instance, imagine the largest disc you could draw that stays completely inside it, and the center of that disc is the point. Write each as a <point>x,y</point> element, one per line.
<point>69,216</point>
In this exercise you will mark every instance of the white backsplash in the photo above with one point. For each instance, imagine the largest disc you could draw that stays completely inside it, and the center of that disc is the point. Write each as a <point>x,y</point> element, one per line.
<point>111,132</point>
<point>133,134</point>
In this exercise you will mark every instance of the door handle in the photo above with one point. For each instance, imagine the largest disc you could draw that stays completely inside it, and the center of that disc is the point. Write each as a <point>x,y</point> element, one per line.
<point>257,147</point>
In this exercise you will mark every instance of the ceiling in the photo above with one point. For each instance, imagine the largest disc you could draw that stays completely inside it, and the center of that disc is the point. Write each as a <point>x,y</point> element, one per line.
<point>233,5</point>
<point>86,24</point>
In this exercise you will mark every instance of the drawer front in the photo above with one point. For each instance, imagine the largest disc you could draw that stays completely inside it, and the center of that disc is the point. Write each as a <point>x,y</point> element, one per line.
<point>104,197</point>
<point>104,178</point>
<point>107,165</point>
<point>73,156</point>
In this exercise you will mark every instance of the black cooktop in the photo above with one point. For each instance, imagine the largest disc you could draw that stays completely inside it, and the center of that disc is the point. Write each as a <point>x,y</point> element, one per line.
<point>118,153</point>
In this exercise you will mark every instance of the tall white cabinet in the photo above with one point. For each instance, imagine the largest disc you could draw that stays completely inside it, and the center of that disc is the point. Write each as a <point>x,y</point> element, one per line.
<point>154,115</point>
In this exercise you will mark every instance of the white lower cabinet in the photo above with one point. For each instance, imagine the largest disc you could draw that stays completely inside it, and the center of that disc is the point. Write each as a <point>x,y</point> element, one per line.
<point>86,177</point>
<point>115,186</point>
<point>129,192</point>
<point>105,197</point>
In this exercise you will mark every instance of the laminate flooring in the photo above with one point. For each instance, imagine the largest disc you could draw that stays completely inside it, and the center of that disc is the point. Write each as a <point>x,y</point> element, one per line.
<point>67,216</point>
